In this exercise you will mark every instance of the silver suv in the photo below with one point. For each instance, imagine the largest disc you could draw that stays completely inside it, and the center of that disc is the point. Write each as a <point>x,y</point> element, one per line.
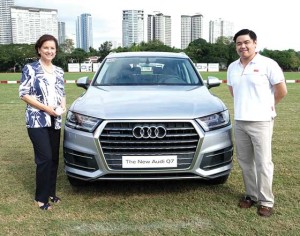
<point>147,116</point>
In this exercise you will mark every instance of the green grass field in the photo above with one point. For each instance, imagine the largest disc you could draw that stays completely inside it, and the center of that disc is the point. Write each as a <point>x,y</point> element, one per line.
<point>68,76</point>
<point>144,208</point>
<point>74,75</point>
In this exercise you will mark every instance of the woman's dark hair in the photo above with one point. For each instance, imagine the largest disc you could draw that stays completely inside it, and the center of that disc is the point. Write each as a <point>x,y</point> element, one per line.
<point>245,32</point>
<point>42,39</point>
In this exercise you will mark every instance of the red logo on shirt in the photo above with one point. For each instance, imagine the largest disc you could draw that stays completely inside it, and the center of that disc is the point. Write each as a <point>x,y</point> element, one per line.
<point>256,70</point>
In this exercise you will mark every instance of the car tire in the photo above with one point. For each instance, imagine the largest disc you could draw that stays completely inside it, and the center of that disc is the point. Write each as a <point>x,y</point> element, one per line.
<point>219,180</point>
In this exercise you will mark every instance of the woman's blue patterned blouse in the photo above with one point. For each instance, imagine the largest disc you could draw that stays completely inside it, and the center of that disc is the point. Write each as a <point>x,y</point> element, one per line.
<point>34,83</point>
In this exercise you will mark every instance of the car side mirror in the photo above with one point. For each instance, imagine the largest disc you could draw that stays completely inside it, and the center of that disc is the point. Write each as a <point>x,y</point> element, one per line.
<point>212,82</point>
<point>83,82</point>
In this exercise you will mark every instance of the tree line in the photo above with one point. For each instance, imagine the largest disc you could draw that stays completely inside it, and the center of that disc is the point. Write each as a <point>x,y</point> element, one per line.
<point>14,56</point>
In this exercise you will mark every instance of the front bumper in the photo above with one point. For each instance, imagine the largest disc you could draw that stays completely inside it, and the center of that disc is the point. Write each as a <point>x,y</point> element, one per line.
<point>199,154</point>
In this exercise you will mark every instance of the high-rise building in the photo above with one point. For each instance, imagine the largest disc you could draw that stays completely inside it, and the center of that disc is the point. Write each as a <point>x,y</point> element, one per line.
<point>84,32</point>
<point>132,27</point>
<point>159,28</point>
<point>191,29</point>
<point>5,21</point>
<point>186,31</point>
<point>197,27</point>
<point>29,23</point>
<point>61,32</point>
<point>218,28</point>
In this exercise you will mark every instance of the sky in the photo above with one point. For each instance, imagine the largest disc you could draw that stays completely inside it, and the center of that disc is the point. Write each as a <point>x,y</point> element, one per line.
<point>275,23</point>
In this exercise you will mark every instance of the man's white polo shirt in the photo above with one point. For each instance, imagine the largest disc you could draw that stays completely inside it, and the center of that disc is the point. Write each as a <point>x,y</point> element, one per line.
<point>253,88</point>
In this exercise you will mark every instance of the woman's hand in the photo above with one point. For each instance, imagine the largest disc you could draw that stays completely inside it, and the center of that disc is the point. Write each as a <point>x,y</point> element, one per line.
<point>50,110</point>
<point>60,110</point>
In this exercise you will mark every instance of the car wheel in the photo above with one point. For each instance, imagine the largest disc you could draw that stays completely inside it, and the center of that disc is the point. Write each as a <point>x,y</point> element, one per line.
<point>219,180</point>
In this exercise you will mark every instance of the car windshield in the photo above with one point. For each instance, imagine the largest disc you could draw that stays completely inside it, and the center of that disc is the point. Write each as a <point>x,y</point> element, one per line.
<point>147,71</point>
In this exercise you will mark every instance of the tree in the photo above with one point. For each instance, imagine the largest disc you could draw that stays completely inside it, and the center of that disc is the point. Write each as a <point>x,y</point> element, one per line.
<point>78,55</point>
<point>197,49</point>
<point>154,45</point>
<point>67,46</point>
<point>224,40</point>
<point>93,52</point>
<point>104,50</point>
<point>288,60</point>
<point>15,56</point>
<point>61,59</point>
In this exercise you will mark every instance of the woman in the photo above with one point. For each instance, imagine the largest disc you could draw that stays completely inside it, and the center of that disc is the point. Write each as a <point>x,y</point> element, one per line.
<point>42,88</point>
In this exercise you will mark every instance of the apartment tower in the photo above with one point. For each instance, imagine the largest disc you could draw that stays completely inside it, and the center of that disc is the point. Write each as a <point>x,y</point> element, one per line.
<point>84,32</point>
<point>132,27</point>
<point>5,21</point>
<point>29,23</point>
<point>218,28</point>
<point>61,32</point>
<point>191,29</point>
<point>159,28</point>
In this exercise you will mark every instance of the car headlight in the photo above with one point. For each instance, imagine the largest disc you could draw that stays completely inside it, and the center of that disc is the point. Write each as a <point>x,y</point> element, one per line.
<point>81,122</point>
<point>214,121</point>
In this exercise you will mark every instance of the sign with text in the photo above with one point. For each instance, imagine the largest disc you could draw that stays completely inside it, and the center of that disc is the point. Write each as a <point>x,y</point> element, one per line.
<point>149,161</point>
<point>86,67</point>
<point>201,66</point>
<point>213,67</point>
<point>73,67</point>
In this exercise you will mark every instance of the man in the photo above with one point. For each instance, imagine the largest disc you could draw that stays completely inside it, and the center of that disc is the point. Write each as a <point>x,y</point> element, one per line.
<point>257,84</point>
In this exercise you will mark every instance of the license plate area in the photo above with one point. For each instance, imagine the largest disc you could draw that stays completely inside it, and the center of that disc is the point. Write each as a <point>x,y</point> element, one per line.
<point>142,162</point>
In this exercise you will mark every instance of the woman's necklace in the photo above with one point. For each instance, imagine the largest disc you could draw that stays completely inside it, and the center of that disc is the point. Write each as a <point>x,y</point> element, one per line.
<point>47,70</point>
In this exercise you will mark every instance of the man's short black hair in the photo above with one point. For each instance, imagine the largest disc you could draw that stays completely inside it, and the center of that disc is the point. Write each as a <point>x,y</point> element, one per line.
<point>245,32</point>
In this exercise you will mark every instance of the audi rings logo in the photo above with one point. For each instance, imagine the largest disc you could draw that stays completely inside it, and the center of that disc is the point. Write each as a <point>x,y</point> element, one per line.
<point>149,131</point>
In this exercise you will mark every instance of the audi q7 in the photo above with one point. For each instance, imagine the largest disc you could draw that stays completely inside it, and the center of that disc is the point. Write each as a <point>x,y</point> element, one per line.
<point>147,116</point>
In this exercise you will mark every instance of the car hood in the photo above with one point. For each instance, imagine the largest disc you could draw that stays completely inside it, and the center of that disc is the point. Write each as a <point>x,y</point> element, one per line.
<point>147,102</point>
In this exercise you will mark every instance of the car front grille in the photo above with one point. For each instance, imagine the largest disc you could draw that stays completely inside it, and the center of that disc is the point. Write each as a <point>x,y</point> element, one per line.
<point>118,139</point>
